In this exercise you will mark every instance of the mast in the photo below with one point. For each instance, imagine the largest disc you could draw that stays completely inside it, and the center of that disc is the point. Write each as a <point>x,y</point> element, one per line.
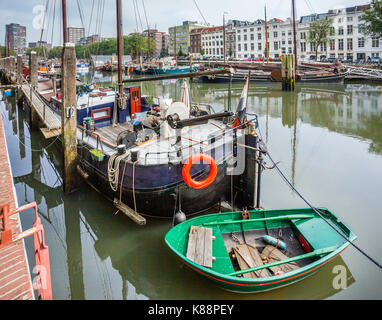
<point>294,34</point>
<point>266,34</point>
<point>120,47</point>
<point>64,23</point>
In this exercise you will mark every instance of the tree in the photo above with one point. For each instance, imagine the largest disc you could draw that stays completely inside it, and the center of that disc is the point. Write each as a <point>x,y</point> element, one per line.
<point>4,51</point>
<point>318,33</point>
<point>230,51</point>
<point>202,52</point>
<point>373,20</point>
<point>180,52</point>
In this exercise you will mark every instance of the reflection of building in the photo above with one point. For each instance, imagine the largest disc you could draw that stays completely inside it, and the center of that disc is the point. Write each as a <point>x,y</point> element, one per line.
<point>15,37</point>
<point>75,34</point>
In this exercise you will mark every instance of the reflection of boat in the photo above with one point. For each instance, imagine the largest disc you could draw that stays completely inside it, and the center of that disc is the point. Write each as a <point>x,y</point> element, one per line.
<point>232,259</point>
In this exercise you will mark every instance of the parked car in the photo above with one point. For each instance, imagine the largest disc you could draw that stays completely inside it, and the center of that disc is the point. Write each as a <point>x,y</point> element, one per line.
<point>258,59</point>
<point>376,60</point>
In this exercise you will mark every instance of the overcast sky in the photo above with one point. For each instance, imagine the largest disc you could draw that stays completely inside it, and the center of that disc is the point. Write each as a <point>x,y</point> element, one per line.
<point>160,13</point>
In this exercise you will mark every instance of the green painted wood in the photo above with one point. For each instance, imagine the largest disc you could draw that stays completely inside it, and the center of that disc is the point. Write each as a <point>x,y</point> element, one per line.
<point>288,217</point>
<point>315,253</point>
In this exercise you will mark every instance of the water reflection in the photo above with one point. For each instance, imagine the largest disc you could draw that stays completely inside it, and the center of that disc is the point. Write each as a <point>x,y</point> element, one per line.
<point>98,255</point>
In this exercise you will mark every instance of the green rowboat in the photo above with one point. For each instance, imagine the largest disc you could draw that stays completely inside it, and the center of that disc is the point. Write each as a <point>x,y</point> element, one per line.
<point>229,249</point>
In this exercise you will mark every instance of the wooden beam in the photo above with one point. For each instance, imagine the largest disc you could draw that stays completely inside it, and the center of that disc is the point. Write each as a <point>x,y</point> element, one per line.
<point>69,117</point>
<point>182,75</point>
<point>315,253</point>
<point>288,217</point>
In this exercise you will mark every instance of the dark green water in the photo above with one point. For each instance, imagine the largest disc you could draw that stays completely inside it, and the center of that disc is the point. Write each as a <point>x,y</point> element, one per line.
<point>329,142</point>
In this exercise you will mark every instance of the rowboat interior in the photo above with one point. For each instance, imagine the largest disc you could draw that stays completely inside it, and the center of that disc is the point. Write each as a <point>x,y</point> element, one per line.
<point>259,245</point>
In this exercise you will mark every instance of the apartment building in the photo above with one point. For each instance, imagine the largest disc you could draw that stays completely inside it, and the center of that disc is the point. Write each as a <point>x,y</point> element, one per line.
<point>250,39</point>
<point>160,41</point>
<point>75,34</point>
<point>15,37</point>
<point>179,36</point>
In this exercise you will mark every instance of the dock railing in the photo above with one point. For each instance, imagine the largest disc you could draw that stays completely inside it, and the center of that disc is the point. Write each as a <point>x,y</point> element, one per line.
<point>42,282</point>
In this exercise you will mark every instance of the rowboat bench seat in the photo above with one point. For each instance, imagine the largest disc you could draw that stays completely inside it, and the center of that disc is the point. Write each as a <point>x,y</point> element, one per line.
<point>199,249</point>
<point>318,233</point>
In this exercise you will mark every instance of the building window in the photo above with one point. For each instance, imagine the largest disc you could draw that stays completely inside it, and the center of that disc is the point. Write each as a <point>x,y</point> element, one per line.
<point>332,45</point>
<point>361,42</point>
<point>239,47</point>
<point>259,36</point>
<point>245,47</point>
<point>340,44</point>
<point>275,34</point>
<point>259,46</point>
<point>283,34</point>
<point>239,38</point>
<point>252,37</point>
<point>332,31</point>
<point>340,31</point>
<point>350,19</point>
<point>252,47</point>
<point>245,37</point>
<point>350,44</point>
<point>303,46</point>
<point>303,35</point>
<point>375,43</point>
<point>350,29</point>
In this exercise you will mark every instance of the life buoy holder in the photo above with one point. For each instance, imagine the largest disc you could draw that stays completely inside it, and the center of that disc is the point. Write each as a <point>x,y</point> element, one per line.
<point>203,183</point>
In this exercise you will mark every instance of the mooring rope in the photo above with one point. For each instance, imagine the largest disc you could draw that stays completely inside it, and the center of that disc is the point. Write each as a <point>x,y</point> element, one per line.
<point>113,169</point>
<point>317,210</point>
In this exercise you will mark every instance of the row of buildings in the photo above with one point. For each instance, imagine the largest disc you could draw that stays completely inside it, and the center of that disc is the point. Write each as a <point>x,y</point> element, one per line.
<point>245,39</point>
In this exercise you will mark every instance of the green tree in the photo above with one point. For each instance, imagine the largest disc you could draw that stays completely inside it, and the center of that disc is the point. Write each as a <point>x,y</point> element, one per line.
<point>202,52</point>
<point>230,50</point>
<point>55,52</point>
<point>318,33</point>
<point>373,20</point>
<point>41,51</point>
<point>180,52</point>
<point>4,51</point>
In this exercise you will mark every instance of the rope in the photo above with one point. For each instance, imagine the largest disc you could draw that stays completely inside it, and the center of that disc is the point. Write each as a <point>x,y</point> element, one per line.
<point>318,211</point>
<point>113,169</point>
<point>135,203</point>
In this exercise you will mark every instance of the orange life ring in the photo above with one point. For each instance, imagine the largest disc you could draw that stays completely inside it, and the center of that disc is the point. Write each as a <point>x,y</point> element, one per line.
<point>204,183</point>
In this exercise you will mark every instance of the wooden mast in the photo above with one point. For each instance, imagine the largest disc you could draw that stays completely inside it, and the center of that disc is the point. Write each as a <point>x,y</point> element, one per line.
<point>64,24</point>
<point>294,34</point>
<point>120,101</point>
<point>120,46</point>
<point>266,34</point>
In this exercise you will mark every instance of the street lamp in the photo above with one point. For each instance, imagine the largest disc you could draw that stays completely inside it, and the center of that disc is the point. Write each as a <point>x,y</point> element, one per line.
<point>224,54</point>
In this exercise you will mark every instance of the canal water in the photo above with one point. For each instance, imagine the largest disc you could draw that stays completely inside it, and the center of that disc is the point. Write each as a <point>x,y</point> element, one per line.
<point>328,139</point>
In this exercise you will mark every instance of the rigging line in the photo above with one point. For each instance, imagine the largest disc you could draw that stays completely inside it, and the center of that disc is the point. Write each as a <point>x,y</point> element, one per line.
<point>139,15</point>
<point>80,12</point>
<point>54,16</point>
<point>205,21</point>
<point>91,18</point>
<point>136,19</point>
<point>144,10</point>
<point>43,24</point>
<point>318,211</point>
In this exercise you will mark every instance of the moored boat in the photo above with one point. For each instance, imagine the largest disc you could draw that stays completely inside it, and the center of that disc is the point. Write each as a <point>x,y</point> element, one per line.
<point>231,250</point>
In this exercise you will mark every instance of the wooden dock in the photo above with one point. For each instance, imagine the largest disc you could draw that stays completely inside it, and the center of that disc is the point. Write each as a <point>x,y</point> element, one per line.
<point>15,282</point>
<point>47,116</point>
